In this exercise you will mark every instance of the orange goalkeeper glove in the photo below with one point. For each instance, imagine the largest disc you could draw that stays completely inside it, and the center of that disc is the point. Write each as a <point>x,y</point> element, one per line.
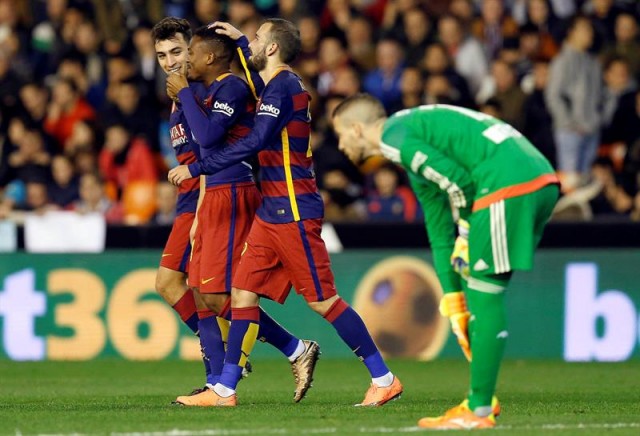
<point>454,306</point>
<point>460,255</point>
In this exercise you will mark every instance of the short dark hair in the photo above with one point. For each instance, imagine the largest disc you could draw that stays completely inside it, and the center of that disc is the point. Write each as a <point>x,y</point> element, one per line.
<point>287,36</point>
<point>169,27</point>
<point>377,109</point>
<point>224,46</point>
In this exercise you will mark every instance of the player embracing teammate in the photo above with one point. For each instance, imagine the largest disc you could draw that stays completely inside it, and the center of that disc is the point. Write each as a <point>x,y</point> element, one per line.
<point>284,246</point>
<point>216,108</point>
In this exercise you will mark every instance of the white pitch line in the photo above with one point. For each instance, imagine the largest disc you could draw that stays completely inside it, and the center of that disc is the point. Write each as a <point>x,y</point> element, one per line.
<point>332,430</point>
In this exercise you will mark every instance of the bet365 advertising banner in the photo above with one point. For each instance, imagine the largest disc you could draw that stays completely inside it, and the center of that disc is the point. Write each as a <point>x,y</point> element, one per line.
<point>577,305</point>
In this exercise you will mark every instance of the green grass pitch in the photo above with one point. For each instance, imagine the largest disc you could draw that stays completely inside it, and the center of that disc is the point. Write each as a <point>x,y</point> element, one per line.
<point>133,399</point>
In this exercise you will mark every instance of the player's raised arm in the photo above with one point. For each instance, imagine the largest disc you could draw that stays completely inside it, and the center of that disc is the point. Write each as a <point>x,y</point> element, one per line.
<point>244,54</point>
<point>210,125</point>
<point>272,116</point>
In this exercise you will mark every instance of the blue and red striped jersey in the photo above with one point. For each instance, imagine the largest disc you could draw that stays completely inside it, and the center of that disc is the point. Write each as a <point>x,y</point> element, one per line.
<point>281,135</point>
<point>181,141</point>
<point>224,116</point>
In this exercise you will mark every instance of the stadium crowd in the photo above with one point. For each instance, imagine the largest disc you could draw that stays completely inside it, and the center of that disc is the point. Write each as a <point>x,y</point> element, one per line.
<point>84,111</point>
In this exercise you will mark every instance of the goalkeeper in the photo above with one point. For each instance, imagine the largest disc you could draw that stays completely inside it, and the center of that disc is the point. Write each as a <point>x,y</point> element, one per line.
<point>470,169</point>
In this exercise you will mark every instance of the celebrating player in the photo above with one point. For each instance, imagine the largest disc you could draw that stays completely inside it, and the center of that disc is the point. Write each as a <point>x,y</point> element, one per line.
<point>228,205</point>
<point>171,36</point>
<point>503,189</point>
<point>284,246</point>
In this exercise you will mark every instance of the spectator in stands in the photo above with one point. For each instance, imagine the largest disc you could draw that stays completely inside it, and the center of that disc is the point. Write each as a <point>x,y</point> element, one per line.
<point>618,106</point>
<point>63,188</point>
<point>34,98</point>
<point>388,200</point>
<point>437,61</point>
<point>603,15</point>
<point>418,34</point>
<point>468,56</point>
<point>625,44</point>
<point>360,44</point>
<point>439,90</point>
<point>529,49</point>
<point>88,42</point>
<point>411,86</point>
<point>463,10</point>
<point>85,161</point>
<point>537,119</point>
<point>166,195</point>
<point>333,57</point>
<point>130,109</point>
<point>9,86</point>
<point>492,27</point>
<point>612,199</point>
<point>125,158</point>
<point>503,86</point>
<point>83,137</point>
<point>336,18</point>
<point>30,161</point>
<point>393,18</point>
<point>37,200</point>
<point>119,69</point>
<point>241,11</point>
<point>145,55</point>
<point>573,96</point>
<point>550,29</point>
<point>205,12</point>
<point>93,199</point>
<point>307,62</point>
<point>67,107</point>
<point>347,82</point>
<point>384,81</point>
<point>342,198</point>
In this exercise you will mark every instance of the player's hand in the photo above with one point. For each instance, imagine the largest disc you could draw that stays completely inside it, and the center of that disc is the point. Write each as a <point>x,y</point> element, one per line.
<point>460,255</point>
<point>179,174</point>
<point>176,82</point>
<point>227,29</point>
<point>453,305</point>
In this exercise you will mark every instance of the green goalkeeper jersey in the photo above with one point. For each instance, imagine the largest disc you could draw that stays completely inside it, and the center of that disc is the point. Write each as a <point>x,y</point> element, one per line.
<point>456,157</point>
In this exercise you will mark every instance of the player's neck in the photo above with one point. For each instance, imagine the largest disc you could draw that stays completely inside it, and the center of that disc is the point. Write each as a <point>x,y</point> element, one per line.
<point>271,70</point>
<point>213,74</point>
<point>373,135</point>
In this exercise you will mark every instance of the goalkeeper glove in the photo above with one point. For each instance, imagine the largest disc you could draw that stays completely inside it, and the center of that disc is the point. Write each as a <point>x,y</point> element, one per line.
<point>454,306</point>
<point>460,256</point>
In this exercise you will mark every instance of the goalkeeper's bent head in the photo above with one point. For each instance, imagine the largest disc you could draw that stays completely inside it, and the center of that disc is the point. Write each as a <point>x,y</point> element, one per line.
<point>358,122</point>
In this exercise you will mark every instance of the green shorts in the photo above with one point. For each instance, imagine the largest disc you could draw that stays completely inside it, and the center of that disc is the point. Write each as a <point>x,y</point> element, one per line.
<point>504,236</point>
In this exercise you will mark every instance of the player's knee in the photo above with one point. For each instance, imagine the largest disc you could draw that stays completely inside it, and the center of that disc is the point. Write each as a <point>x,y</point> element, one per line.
<point>170,285</point>
<point>215,302</point>
<point>322,307</point>
<point>241,298</point>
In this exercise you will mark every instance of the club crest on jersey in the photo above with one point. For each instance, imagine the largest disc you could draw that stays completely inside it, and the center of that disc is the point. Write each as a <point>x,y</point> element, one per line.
<point>178,135</point>
<point>223,108</point>
<point>268,109</point>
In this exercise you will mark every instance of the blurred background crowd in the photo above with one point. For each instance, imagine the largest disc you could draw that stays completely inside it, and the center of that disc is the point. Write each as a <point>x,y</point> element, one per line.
<point>83,108</point>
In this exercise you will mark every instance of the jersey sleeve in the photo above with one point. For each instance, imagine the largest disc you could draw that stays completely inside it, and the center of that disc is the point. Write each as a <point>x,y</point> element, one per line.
<point>210,125</point>
<point>440,231</point>
<point>423,159</point>
<point>272,115</point>
<point>253,78</point>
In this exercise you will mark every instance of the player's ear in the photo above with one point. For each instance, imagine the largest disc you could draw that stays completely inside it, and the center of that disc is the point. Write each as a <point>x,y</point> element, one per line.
<point>358,128</point>
<point>272,48</point>
<point>211,58</point>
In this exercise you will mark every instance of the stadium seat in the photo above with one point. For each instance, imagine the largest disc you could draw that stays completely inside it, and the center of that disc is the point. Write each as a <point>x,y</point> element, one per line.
<point>139,201</point>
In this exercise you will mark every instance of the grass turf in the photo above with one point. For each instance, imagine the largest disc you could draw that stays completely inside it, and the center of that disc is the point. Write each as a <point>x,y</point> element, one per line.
<point>116,397</point>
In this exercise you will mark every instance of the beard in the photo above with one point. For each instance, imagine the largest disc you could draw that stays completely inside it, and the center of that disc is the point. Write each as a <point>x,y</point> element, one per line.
<point>258,61</point>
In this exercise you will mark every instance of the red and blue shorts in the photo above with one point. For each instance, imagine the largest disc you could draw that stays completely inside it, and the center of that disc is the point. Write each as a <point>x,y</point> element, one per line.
<point>177,250</point>
<point>224,221</point>
<point>277,256</point>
